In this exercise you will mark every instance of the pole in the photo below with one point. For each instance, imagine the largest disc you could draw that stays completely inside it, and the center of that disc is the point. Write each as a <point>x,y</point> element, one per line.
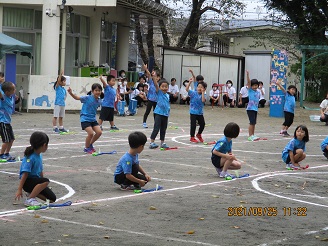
<point>63,40</point>
<point>302,78</point>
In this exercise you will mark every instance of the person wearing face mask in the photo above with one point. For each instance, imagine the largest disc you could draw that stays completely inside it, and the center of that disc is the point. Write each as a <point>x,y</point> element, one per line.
<point>229,94</point>
<point>243,97</point>
<point>324,110</point>
<point>262,93</point>
<point>215,95</point>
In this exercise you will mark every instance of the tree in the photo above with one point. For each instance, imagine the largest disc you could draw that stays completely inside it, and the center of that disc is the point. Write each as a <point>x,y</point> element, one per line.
<point>310,19</point>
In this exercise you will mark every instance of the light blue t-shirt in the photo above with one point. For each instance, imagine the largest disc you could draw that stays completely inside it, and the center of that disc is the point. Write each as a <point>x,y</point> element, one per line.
<point>292,145</point>
<point>324,144</point>
<point>152,95</point>
<point>125,164</point>
<point>196,104</point>
<point>163,104</point>
<point>289,102</point>
<point>60,96</point>
<point>254,97</point>
<point>109,98</point>
<point>89,108</point>
<point>31,165</point>
<point>6,108</point>
<point>223,145</point>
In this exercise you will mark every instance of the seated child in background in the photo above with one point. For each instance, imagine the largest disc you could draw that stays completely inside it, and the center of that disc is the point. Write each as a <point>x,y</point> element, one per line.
<point>294,152</point>
<point>215,95</point>
<point>222,157</point>
<point>324,147</point>
<point>127,170</point>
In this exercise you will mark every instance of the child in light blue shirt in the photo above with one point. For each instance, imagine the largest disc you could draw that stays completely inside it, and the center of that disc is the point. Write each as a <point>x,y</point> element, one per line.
<point>88,116</point>
<point>129,173</point>
<point>161,112</point>
<point>289,107</point>
<point>324,147</point>
<point>252,106</point>
<point>197,100</point>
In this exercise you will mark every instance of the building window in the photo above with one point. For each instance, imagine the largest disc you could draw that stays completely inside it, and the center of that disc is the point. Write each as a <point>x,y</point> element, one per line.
<point>18,18</point>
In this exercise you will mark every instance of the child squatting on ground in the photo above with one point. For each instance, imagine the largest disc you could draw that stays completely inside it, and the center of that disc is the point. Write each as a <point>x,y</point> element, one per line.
<point>294,152</point>
<point>59,109</point>
<point>197,100</point>
<point>88,116</point>
<point>31,172</point>
<point>222,157</point>
<point>162,112</point>
<point>129,173</point>
<point>289,107</point>
<point>7,94</point>
<point>324,147</point>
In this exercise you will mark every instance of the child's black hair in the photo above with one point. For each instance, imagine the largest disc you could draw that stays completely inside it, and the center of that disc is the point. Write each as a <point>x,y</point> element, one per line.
<point>162,80</point>
<point>204,84</point>
<point>96,86</point>
<point>37,140</point>
<point>231,130</point>
<point>185,82</point>
<point>7,86</point>
<point>157,73</point>
<point>291,87</point>
<point>109,77</point>
<point>140,85</point>
<point>199,78</point>
<point>142,77</point>
<point>61,80</point>
<point>173,79</point>
<point>260,83</point>
<point>120,72</point>
<point>306,136</point>
<point>2,74</point>
<point>136,139</point>
<point>254,82</point>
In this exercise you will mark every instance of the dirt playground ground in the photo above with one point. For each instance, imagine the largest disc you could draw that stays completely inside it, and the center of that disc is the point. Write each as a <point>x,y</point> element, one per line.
<point>273,206</point>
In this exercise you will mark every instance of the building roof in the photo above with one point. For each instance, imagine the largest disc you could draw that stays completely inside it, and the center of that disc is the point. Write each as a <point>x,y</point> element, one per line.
<point>146,7</point>
<point>11,45</point>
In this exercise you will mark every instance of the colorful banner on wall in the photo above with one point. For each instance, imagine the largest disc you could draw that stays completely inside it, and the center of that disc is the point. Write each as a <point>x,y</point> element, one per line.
<point>279,65</point>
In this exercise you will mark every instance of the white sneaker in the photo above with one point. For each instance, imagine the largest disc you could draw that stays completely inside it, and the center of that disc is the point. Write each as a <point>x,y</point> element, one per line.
<point>31,202</point>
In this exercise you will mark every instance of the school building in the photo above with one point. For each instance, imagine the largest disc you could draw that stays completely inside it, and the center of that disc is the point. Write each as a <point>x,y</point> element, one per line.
<point>70,35</point>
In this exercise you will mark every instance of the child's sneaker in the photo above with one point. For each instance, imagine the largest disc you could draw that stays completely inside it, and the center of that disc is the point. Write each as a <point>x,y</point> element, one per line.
<point>325,154</point>
<point>114,128</point>
<point>255,138</point>
<point>62,130</point>
<point>144,125</point>
<point>127,187</point>
<point>101,128</point>
<point>31,202</point>
<point>88,150</point>
<point>199,136</point>
<point>250,138</point>
<point>56,130</point>
<point>164,146</point>
<point>285,134</point>
<point>224,174</point>
<point>153,146</point>
<point>288,166</point>
<point>193,140</point>
<point>92,148</point>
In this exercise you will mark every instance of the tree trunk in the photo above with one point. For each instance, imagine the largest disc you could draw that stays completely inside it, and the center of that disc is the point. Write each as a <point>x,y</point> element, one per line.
<point>139,40</point>
<point>150,40</point>
<point>166,38</point>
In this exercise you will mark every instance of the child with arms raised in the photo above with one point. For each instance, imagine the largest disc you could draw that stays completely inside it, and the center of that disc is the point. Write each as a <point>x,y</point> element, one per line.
<point>88,116</point>
<point>31,172</point>
<point>222,157</point>
<point>289,107</point>
<point>129,173</point>
<point>294,152</point>
<point>197,100</point>
<point>161,112</point>
<point>107,106</point>
<point>59,109</point>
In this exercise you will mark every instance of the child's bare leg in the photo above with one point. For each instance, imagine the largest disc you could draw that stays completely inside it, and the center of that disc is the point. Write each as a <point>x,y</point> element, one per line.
<point>97,134</point>
<point>299,156</point>
<point>9,145</point>
<point>235,165</point>
<point>37,189</point>
<point>60,121</point>
<point>100,121</point>
<point>111,123</point>
<point>89,131</point>
<point>4,148</point>
<point>251,130</point>
<point>54,121</point>
<point>225,164</point>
